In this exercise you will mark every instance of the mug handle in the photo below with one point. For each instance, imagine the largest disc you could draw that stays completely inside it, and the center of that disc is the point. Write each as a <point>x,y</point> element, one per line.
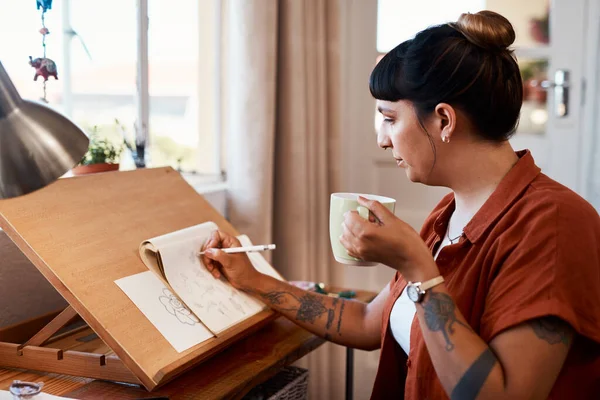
<point>363,212</point>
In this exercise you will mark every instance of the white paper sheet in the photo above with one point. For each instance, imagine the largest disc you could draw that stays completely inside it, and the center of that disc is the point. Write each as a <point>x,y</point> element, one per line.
<point>257,259</point>
<point>6,395</point>
<point>174,321</point>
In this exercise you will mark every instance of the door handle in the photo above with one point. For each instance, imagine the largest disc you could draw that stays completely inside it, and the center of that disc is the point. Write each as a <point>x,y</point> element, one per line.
<point>560,85</point>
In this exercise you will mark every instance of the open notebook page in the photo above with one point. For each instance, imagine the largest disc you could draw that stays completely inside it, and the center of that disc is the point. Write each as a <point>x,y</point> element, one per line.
<point>216,303</point>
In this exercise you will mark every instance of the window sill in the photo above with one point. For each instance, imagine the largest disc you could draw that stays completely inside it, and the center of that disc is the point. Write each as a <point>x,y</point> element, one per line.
<point>212,188</point>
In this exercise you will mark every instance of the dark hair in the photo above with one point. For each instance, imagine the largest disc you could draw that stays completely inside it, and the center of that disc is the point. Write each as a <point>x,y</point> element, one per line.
<point>466,64</point>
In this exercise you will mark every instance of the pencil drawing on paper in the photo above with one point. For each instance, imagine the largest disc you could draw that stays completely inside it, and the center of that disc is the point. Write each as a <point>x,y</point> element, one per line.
<point>177,309</point>
<point>214,301</point>
<point>210,292</point>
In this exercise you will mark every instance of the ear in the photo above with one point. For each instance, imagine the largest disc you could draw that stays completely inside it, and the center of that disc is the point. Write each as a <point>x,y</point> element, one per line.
<point>446,120</point>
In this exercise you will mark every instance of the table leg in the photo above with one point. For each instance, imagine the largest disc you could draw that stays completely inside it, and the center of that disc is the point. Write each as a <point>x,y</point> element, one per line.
<point>349,373</point>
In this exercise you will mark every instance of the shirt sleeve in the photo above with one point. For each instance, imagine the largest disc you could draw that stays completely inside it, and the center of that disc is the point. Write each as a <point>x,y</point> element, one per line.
<point>549,266</point>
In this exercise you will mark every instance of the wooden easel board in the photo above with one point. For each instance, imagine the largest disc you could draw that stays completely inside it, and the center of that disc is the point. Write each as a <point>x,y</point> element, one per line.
<point>83,233</point>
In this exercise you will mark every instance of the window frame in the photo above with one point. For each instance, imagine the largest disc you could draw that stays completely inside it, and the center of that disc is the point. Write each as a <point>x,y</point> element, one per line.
<point>210,100</point>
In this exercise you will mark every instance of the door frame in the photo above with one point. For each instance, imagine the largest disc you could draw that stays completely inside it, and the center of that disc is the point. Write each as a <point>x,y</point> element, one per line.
<point>589,167</point>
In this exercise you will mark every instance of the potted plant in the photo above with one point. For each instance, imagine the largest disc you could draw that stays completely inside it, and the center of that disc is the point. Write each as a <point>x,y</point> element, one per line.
<point>102,156</point>
<point>533,74</point>
<point>539,28</point>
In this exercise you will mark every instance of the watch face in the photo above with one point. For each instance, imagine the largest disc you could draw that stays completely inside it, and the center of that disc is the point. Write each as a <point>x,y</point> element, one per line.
<point>413,293</point>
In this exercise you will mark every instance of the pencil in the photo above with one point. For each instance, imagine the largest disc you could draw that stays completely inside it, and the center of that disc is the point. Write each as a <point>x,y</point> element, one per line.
<point>245,249</point>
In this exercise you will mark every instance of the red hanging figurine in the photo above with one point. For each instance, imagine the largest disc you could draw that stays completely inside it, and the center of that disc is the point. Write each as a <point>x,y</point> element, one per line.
<point>44,67</point>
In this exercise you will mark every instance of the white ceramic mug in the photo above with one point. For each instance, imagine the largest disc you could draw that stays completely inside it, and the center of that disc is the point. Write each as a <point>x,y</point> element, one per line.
<point>339,205</point>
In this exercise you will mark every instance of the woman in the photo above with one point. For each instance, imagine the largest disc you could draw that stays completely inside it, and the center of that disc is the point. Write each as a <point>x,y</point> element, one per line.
<point>499,295</point>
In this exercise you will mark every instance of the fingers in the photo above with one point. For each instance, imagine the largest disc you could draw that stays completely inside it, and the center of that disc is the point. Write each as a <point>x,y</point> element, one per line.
<point>218,256</point>
<point>354,224</point>
<point>356,231</point>
<point>218,240</point>
<point>214,271</point>
<point>212,267</point>
<point>214,241</point>
<point>214,259</point>
<point>218,259</point>
<point>226,240</point>
<point>346,241</point>
<point>381,212</point>
<point>349,238</point>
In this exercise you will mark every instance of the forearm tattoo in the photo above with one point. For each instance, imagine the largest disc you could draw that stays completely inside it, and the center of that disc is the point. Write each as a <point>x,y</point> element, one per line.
<point>331,314</point>
<point>340,319</point>
<point>308,307</point>
<point>440,315</point>
<point>472,381</point>
<point>553,330</point>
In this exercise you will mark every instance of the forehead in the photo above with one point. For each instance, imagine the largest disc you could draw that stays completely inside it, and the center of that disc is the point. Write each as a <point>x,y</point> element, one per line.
<point>400,106</point>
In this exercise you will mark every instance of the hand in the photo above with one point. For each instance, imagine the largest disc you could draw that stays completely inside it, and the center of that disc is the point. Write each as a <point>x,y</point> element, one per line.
<point>388,240</point>
<point>237,268</point>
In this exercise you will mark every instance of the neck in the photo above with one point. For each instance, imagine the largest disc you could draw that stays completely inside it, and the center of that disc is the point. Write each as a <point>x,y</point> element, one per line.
<point>475,177</point>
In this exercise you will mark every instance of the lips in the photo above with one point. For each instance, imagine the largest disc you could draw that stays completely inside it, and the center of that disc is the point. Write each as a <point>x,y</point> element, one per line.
<point>400,162</point>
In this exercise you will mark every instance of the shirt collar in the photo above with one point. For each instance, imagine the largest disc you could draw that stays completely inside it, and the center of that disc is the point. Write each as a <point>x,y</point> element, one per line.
<point>511,186</point>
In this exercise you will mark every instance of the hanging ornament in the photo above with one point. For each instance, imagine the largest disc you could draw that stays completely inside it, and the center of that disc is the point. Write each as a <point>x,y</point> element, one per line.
<point>43,66</point>
<point>44,4</point>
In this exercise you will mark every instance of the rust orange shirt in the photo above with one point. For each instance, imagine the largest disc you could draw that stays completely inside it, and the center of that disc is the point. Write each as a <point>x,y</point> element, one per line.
<point>532,250</point>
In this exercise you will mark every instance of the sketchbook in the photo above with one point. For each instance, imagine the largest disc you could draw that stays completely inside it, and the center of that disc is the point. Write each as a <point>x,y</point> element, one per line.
<point>181,298</point>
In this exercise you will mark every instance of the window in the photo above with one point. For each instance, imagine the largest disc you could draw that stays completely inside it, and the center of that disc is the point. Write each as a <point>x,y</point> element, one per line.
<point>140,69</point>
<point>400,20</point>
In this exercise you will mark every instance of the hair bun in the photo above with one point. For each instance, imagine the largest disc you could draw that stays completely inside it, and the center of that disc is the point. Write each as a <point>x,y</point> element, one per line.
<point>486,29</point>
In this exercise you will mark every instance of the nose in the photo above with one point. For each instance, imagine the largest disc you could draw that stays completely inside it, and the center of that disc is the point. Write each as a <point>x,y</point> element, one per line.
<point>383,140</point>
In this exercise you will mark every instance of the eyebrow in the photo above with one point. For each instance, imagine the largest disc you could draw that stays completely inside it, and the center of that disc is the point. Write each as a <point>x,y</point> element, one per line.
<point>386,110</point>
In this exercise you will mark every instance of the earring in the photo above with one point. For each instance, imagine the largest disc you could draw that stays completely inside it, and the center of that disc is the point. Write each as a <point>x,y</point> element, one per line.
<point>446,139</point>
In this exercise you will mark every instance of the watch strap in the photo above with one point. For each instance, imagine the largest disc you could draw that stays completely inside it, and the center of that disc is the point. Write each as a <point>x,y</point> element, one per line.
<point>431,283</point>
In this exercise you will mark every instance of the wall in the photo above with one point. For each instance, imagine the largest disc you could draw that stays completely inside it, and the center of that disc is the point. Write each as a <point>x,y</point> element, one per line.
<point>519,12</point>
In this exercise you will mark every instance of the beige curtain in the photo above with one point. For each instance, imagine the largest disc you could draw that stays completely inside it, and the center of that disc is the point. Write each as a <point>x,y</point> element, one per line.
<point>306,161</point>
<point>249,112</point>
<point>283,89</point>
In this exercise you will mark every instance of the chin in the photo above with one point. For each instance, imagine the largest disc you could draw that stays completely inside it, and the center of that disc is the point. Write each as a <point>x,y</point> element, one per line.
<point>417,177</point>
<point>412,175</point>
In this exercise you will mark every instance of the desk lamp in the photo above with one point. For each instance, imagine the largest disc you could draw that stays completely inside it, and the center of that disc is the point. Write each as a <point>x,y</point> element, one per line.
<point>37,144</point>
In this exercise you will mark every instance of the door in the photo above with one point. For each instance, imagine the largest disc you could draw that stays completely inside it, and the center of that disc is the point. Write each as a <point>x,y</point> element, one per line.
<point>550,49</point>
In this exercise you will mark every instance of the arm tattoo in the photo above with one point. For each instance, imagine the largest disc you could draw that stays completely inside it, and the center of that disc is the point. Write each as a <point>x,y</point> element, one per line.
<point>275,298</point>
<point>331,314</point>
<point>552,329</point>
<point>311,308</point>
<point>340,319</point>
<point>308,308</point>
<point>472,381</point>
<point>440,316</point>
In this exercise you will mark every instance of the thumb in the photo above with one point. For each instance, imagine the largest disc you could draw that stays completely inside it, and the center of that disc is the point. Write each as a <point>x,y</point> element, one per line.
<point>218,255</point>
<point>381,212</point>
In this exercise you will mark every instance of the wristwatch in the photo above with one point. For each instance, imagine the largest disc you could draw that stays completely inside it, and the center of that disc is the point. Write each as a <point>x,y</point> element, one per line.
<point>416,290</point>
